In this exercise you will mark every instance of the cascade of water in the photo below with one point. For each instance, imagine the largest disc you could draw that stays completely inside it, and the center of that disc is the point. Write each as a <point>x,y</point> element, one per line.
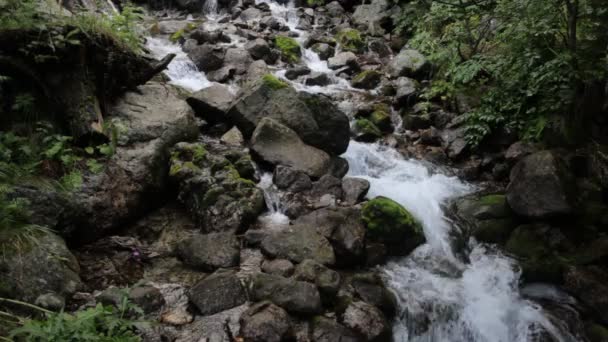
<point>210,8</point>
<point>181,71</point>
<point>275,218</point>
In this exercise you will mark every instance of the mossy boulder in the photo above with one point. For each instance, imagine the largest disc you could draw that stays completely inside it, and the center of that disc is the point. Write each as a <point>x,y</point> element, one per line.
<point>289,47</point>
<point>350,40</point>
<point>368,79</point>
<point>315,3</point>
<point>382,119</point>
<point>367,131</point>
<point>530,244</point>
<point>390,223</point>
<point>596,332</point>
<point>273,82</point>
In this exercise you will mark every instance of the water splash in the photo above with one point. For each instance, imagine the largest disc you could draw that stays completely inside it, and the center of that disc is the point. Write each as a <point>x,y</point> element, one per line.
<point>210,8</point>
<point>181,71</point>
<point>275,217</point>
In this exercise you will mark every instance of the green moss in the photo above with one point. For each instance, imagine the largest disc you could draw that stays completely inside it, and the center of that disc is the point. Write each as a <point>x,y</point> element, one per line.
<point>365,74</point>
<point>198,153</point>
<point>315,3</point>
<point>367,127</point>
<point>384,217</point>
<point>382,120</point>
<point>497,199</point>
<point>177,36</point>
<point>289,47</point>
<point>537,259</point>
<point>350,40</point>
<point>177,167</point>
<point>212,195</point>
<point>494,230</point>
<point>596,332</point>
<point>273,82</point>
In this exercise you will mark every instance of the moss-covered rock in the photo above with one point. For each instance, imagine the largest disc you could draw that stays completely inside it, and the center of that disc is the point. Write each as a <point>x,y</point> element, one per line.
<point>367,131</point>
<point>273,82</point>
<point>390,223</point>
<point>350,40</point>
<point>289,47</point>
<point>368,79</point>
<point>596,332</point>
<point>382,119</point>
<point>539,262</point>
<point>179,35</point>
<point>315,3</point>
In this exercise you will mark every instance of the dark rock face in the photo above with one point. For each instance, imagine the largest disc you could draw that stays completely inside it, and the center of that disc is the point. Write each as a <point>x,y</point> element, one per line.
<point>314,118</point>
<point>209,252</point>
<point>588,283</point>
<point>293,180</point>
<point>294,296</point>
<point>541,186</point>
<point>279,145</point>
<point>45,268</point>
<point>328,330</point>
<point>218,292</point>
<point>370,288</point>
<point>264,322</point>
<point>298,243</point>
<point>207,57</point>
<point>213,188</point>
<point>282,267</point>
<point>148,298</point>
<point>354,190</point>
<point>327,280</point>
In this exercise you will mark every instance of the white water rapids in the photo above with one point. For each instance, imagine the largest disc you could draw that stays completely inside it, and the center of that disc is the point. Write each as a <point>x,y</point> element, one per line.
<point>441,296</point>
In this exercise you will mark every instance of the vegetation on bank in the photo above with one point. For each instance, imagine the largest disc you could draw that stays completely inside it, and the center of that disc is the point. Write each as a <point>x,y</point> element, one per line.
<point>532,67</point>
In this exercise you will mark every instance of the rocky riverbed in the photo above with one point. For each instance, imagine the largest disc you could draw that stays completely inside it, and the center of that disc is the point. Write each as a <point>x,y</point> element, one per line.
<point>283,180</point>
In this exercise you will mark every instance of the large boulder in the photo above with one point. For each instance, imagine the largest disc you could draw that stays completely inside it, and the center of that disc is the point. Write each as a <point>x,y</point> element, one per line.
<point>209,252</point>
<point>218,292</point>
<point>147,123</point>
<point>264,322</point>
<point>315,119</point>
<point>344,229</point>
<point>298,297</point>
<point>374,17</point>
<point>207,57</point>
<point>390,223</point>
<point>298,243</point>
<point>39,269</point>
<point>354,190</point>
<point>212,103</point>
<point>408,62</point>
<point>279,145</point>
<point>217,191</point>
<point>541,186</point>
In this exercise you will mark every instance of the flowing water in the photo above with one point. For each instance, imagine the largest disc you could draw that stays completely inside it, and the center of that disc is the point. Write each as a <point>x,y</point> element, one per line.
<point>442,295</point>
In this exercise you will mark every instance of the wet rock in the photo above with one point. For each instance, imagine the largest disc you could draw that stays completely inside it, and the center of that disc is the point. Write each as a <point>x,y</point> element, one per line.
<point>218,292</point>
<point>371,289</point>
<point>297,297</point>
<point>297,71</point>
<point>519,150</point>
<point>282,267</point>
<point>212,103</point>
<point>298,243</point>
<point>367,131</point>
<point>256,70</point>
<point>291,179</point>
<point>354,190</point>
<point>315,119</point>
<point>406,91</point>
<point>327,184</point>
<point>344,229</point>
<point>408,62</point>
<point>430,137</point>
<point>380,47</point>
<point>258,48</point>
<point>390,223</point>
<point>279,145</point>
<point>588,284</point>
<point>264,322</point>
<point>317,79</point>
<point>148,298</point>
<point>368,79</point>
<point>328,330</point>
<point>381,118</point>
<point>212,187</point>
<point>237,58</point>
<point>541,186</point>
<point>454,142</point>
<point>251,13</point>
<point>338,167</point>
<point>343,60</point>
<point>207,57</point>
<point>222,75</point>
<point>413,121</point>
<point>44,269</point>
<point>325,51</point>
<point>327,280</point>
<point>367,320</point>
<point>209,252</point>
<point>212,37</point>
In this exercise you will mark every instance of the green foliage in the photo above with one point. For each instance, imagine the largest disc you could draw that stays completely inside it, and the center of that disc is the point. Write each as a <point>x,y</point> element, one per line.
<point>289,47</point>
<point>59,30</point>
<point>16,231</point>
<point>527,69</point>
<point>273,82</point>
<point>96,324</point>
<point>350,40</point>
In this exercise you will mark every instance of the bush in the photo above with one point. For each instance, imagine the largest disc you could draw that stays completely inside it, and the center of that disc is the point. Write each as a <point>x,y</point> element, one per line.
<point>97,324</point>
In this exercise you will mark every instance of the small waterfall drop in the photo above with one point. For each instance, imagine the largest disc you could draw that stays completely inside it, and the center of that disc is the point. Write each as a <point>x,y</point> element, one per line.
<point>275,217</point>
<point>210,8</point>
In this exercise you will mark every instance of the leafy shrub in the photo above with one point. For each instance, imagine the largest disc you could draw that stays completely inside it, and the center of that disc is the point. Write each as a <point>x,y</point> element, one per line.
<point>97,324</point>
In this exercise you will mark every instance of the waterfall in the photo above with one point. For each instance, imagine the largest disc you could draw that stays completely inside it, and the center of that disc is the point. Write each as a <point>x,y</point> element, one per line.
<point>210,8</point>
